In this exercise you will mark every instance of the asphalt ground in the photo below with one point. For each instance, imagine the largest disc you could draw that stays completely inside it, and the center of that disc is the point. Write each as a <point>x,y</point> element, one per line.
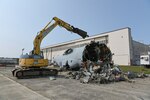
<point>43,88</point>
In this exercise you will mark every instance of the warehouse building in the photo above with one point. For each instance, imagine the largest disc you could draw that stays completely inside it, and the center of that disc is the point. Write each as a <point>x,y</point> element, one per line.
<point>126,51</point>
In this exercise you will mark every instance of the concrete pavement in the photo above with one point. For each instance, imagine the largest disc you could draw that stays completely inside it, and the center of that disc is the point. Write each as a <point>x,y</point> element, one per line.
<point>11,90</point>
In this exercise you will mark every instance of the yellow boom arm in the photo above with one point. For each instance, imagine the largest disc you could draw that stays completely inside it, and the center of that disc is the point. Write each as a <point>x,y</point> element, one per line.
<point>48,28</point>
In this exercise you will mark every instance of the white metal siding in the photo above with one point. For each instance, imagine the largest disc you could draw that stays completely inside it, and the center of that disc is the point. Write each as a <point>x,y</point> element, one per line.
<point>119,45</point>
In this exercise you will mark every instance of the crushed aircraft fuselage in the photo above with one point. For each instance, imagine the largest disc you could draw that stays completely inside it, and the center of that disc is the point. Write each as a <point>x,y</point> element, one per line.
<point>74,57</point>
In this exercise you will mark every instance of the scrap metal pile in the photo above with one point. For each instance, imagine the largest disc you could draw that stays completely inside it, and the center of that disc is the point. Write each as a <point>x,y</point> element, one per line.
<point>97,66</point>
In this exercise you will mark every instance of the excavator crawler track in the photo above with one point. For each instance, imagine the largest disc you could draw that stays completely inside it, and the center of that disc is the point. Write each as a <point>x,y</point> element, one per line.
<point>33,72</point>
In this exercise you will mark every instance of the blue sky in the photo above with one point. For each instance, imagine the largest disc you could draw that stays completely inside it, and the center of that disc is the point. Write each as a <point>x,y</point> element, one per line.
<point>20,20</point>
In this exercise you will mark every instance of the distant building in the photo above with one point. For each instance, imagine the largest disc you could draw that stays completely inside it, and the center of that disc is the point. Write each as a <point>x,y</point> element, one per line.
<point>139,49</point>
<point>8,61</point>
<point>126,51</point>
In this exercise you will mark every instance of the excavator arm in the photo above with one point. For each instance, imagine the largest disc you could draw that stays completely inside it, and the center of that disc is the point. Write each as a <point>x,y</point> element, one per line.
<point>48,28</point>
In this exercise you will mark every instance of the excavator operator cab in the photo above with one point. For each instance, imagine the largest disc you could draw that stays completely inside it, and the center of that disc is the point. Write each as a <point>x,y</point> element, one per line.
<point>31,55</point>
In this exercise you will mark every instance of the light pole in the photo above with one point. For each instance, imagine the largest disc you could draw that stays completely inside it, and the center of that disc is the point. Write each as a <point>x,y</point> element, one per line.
<point>22,51</point>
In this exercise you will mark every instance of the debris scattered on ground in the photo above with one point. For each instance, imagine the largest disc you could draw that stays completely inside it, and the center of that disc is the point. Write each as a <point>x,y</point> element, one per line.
<point>114,74</point>
<point>52,78</point>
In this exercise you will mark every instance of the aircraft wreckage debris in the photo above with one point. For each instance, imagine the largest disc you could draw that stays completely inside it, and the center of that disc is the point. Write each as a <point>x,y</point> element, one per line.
<point>97,67</point>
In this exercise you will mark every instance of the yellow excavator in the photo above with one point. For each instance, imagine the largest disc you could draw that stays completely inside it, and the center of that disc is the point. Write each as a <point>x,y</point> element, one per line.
<point>34,64</point>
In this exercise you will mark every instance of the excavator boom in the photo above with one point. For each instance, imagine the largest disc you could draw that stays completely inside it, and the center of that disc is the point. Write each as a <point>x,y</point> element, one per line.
<point>48,28</point>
